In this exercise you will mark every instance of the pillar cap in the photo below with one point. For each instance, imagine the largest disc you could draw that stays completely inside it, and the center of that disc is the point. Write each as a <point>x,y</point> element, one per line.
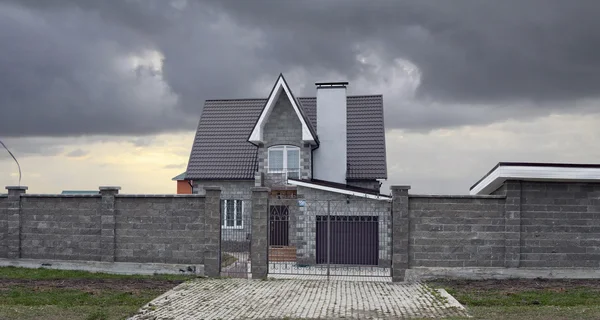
<point>400,188</point>
<point>16,188</point>
<point>212,188</point>
<point>109,188</point>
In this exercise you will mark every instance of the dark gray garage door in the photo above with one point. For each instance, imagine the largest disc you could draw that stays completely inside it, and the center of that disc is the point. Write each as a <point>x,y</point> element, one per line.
<point>354,240</point>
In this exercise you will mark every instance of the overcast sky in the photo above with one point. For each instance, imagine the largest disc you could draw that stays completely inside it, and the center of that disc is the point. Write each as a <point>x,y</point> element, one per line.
<point>109,92</point>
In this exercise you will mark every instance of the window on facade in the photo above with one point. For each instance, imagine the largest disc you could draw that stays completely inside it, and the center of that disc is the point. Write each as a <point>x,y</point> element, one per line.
<point>285,159</point>
<point>233,214</point>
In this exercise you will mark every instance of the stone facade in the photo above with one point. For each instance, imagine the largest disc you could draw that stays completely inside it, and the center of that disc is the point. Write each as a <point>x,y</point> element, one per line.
<point>283,128</point>
<point>315,203</point>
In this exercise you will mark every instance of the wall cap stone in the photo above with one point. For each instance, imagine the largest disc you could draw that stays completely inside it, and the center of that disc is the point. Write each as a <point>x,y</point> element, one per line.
<point>43,195</point>
<point>109,188</point>
<point>16,188</point>
<point>400,187</point>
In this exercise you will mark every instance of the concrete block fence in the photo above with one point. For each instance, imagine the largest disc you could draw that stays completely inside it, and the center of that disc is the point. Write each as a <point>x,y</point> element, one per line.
<point>525,229</point>
<point>170,231</point>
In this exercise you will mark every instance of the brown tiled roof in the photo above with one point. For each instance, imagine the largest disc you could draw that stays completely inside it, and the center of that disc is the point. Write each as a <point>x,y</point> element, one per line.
<point>221,150</point>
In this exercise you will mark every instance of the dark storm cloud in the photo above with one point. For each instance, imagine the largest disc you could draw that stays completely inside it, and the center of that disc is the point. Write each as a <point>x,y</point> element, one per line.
<point>59,73</point>
<point>65,72</point>
<point>466,50</point>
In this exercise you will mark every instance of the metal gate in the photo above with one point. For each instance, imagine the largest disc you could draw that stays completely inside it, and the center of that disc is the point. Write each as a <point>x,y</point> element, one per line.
<point>344,237</point>
<point>236,233</point>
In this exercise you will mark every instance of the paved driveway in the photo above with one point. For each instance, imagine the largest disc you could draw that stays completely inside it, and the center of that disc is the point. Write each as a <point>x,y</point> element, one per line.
<point>299,299</point>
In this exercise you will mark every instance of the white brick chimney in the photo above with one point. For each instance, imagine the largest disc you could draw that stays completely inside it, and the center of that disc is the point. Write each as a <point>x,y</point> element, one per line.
<point>329,160</point>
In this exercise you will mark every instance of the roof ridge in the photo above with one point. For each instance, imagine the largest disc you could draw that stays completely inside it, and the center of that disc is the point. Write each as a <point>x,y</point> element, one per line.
<point>235,99</point>
<point>245,99</point>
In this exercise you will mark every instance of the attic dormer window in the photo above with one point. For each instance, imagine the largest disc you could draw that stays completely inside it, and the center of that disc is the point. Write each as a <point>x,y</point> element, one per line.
<point>285,160</point>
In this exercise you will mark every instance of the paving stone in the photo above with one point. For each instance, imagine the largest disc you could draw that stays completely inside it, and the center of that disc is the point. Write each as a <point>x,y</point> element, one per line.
<point>300,299</point>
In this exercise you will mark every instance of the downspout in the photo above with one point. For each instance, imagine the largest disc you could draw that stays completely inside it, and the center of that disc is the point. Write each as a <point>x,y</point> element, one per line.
<point>190,182</point>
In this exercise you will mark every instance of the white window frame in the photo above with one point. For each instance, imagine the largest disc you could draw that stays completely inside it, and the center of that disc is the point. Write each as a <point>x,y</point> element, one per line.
<point>235,214</point>
<point>285,167</point>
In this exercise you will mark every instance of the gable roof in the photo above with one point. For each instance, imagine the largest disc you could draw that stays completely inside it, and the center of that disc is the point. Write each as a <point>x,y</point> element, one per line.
<point>281,86</point>
<point>221,150</point>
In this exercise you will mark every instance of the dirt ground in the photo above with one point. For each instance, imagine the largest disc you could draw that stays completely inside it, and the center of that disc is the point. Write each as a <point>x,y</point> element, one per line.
<point>520,285</point>
<point>92,285</point>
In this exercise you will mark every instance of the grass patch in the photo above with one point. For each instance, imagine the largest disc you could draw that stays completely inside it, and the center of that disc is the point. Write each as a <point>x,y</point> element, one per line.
<point>67,298</point>
<point>52,274</point>
<point>60,294</point>
<point>227,260</point>
<point>526,299</point>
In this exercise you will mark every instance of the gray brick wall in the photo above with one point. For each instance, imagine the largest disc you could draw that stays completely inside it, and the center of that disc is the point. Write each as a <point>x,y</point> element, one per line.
<point>64,228</point>
<point>161,229</point>
<point>283,128</point>
<point>3,226</point>
<point>456,231</point>
<point>560,224</point>
<point>172,229</point>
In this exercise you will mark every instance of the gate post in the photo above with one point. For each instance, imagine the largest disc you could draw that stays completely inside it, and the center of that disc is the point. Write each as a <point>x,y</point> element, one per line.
<point>13,231</point>
<point>212,232</point>
<point>259,248</point>
<point>400,232</point>
<point>107,223</point>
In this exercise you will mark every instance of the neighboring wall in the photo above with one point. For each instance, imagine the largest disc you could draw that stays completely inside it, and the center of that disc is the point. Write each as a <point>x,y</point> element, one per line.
<point>184,187</point>
<point>456,231</point>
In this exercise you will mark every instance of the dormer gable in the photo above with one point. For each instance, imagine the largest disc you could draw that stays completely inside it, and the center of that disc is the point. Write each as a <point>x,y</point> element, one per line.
<point>281,87</point>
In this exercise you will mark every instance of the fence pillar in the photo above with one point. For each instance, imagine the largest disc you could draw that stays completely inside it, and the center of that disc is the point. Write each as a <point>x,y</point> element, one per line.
<point>400,232</point>
<point>259,248</point>
<point>107,223</point>
<point>512,224</point>
<point>212,232</point>
<point>13,232</point>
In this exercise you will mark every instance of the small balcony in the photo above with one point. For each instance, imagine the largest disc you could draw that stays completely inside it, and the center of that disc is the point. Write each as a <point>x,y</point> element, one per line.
<point>279,176</point>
